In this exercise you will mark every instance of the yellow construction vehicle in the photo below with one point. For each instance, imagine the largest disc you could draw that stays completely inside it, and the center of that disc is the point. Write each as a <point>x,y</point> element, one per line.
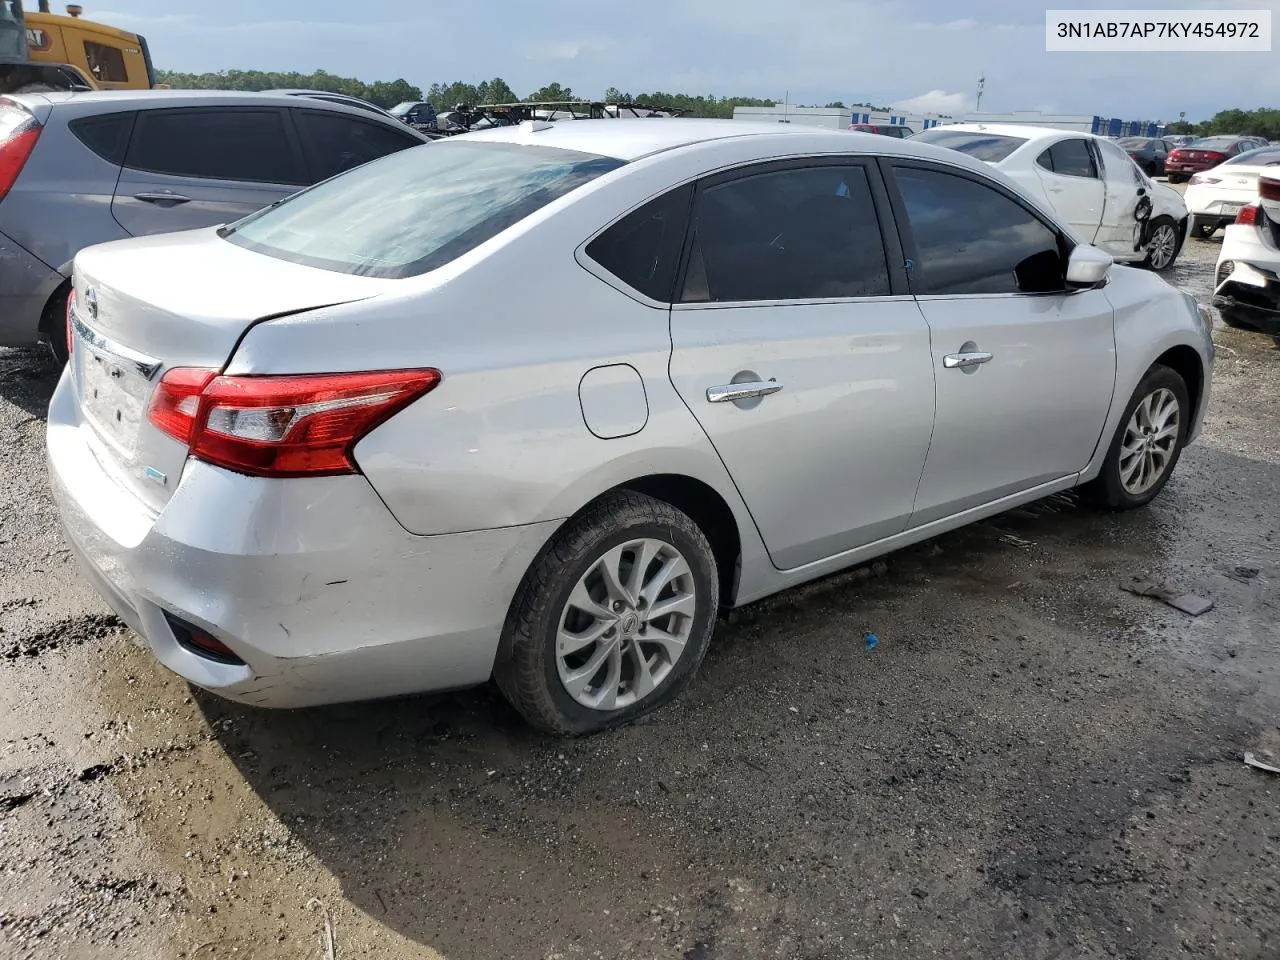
<point>42,50</point>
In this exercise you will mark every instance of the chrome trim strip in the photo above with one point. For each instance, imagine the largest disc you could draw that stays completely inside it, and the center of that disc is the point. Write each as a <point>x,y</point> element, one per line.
<point>147,366</point>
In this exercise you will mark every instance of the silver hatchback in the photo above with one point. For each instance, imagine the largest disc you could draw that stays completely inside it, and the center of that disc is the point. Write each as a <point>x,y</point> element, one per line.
<point>536,404</point>
<point>86,168</point>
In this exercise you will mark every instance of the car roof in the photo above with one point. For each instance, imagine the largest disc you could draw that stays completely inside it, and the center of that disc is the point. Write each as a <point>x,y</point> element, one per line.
<point>631,139</point>
<point>140,99</point>
<point>1019,130</point>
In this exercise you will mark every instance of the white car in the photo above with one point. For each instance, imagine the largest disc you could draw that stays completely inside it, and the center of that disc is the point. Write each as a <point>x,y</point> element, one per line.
<point>1090,181</point>
<point>535,403</point>
<point>1215,196</point>
<point>1248,275</point>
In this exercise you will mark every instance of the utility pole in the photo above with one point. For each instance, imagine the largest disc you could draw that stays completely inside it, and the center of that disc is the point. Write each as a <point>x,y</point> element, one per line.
<point>982,81</point>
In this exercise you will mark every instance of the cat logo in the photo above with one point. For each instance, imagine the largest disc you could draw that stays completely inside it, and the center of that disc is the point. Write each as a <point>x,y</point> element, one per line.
<point>38,41</point>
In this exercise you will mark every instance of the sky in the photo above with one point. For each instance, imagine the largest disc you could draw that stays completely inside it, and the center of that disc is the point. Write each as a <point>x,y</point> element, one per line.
<point>909,54</point>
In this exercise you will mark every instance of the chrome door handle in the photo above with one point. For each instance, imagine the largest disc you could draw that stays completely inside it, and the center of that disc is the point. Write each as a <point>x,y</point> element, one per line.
<point>742,391</point>
<point>162,199</point>
<point>958,361</point>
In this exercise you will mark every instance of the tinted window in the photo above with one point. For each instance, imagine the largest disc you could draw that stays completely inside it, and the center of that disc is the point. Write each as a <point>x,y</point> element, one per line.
<point>107,136</point>
<point>1220,144</point>
<point>105,63</point>
<point>334,143</point>
<point>972,239</point>
<point>980,146</point>
<point>1070,158</point>
<point>218,144</point>
<point>787,235</point>
<point>416,210</point>
<point>643,249</point>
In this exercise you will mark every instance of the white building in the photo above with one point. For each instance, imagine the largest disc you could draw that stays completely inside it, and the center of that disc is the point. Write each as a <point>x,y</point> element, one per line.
<point>840,119</point>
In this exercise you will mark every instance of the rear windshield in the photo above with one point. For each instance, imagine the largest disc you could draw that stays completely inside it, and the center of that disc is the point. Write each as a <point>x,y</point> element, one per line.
<point>1139,142</point>
<point>418,209</point>
<point>989,147</point>
<point>1213,143</point>
<point>1264,157</point>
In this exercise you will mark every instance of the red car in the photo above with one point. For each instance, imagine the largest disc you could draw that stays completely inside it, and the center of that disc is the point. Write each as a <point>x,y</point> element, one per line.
<point>1201,155</point>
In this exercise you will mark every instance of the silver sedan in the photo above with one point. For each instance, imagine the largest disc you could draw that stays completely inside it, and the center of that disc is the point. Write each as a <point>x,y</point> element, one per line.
<point>536,404</point>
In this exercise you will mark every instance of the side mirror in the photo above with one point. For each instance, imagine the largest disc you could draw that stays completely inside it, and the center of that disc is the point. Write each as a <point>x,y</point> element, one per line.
<point>1088,266</point>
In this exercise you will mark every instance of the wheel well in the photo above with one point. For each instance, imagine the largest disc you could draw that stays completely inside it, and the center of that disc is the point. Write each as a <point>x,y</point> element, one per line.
<point>708,510</point>
<point>1185,362</point>
<point>52,316</point>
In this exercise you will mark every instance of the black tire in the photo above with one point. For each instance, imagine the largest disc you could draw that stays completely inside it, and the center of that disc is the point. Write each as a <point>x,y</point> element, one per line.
<point>1177,177</point>
<point>53,323</point>
<point>1159,223</point>
<point>1203,231</point>
<point>1107,490</point>
<point>525,668</point>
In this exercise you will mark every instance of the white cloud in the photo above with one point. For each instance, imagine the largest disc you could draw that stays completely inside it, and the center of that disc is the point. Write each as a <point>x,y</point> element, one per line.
<point>950,25</point>
<point>936,101</point>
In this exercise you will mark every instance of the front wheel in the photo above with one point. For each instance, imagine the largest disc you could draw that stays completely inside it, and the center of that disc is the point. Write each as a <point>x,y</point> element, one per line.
<point>612,619</point>
<point>1147,443</point>
<point>1162,248</point>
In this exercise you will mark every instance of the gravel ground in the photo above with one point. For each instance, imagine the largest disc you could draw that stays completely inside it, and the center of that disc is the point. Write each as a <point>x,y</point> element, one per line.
<point>1032,764</point>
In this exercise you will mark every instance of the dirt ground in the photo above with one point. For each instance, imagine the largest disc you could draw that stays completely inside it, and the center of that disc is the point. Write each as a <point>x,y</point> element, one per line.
<point>1032,763</point>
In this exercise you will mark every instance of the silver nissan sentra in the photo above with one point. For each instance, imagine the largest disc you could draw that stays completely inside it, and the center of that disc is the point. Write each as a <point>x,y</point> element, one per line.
<point>535,404</point>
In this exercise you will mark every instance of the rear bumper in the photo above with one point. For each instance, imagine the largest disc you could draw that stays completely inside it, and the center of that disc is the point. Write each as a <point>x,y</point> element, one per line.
<point>311,582</point>
<point>26,284</point>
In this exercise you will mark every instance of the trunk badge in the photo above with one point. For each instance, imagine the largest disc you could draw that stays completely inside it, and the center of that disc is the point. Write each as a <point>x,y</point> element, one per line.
<point>154,474</point>
<point>91,302</point>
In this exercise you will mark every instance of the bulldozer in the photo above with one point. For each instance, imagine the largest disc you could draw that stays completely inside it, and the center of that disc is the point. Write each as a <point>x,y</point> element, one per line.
<point>43,51</point>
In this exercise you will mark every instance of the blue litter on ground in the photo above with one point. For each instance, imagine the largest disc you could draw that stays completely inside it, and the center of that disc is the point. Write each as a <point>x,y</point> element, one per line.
<point>872,641</point>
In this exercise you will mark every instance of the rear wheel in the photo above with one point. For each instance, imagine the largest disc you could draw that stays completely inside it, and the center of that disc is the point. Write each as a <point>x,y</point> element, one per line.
<point>1177,177</point>
<point>1147,443</point>
<point>1203,230</point>
<point>612,619</point>
<point>1162,248</point>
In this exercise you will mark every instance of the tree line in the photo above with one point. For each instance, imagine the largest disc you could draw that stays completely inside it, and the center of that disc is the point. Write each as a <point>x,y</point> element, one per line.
<point>1263,122</point>
<point>443,95</point>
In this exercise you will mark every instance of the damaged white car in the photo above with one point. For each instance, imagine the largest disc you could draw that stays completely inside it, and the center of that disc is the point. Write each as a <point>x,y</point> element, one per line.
<point>1089,181</point>
<point>1247,293</point>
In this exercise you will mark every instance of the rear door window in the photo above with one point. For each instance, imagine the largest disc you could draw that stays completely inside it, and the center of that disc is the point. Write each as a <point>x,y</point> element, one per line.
<point>1069,158</point>
<point>334,143</point>
<point>250,145</point>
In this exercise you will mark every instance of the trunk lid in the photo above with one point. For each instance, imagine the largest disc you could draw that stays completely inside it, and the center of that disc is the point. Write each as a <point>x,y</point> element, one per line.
<point>146,305</point>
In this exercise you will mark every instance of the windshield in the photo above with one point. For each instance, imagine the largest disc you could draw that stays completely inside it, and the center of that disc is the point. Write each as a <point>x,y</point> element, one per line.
<point>1136,143</point>
<point>401,109</point>
<point>1263,157</point>
<point>981,146</point>
<point>13,36</point>
<point>417,209</point>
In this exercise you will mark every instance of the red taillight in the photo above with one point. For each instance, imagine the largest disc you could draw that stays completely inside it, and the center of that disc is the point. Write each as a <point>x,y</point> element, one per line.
<point>1248,216</point>
<point>1213,156</point>
<point>1269,189</point>
<point>14,153</point>
<point>285,426</point>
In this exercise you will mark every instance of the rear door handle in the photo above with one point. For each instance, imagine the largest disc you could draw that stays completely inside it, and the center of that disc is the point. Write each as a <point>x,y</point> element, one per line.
<point>959,361</point>
<point>162,199</point>
<point>742,391</point>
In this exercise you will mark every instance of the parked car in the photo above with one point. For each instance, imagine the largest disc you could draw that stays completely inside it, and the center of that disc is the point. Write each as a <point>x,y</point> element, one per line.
<point>1205,154</point>
<point>883,129</point>
<point>330,97</point>
<point>1218,195</point>
<point>1248,274</point>
<point>416,113</point>
<point>379,439</point>
<point>85,168</point>
<point>1149,153</point>
<point>1176,140</point>
<point>1090,181</point>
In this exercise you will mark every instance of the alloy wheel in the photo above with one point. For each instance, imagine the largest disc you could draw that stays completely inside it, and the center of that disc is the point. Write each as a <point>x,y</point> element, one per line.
<point>1150,441</point>
<point>626,624</point>
<point>1163,245</point>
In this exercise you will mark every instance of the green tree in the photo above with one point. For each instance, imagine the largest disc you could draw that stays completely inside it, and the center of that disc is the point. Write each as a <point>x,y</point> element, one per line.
<point>836,105</point>
<point>551,92</point>
<point>446,96</point>
<point>498,92</point>
<point>383,93</point>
